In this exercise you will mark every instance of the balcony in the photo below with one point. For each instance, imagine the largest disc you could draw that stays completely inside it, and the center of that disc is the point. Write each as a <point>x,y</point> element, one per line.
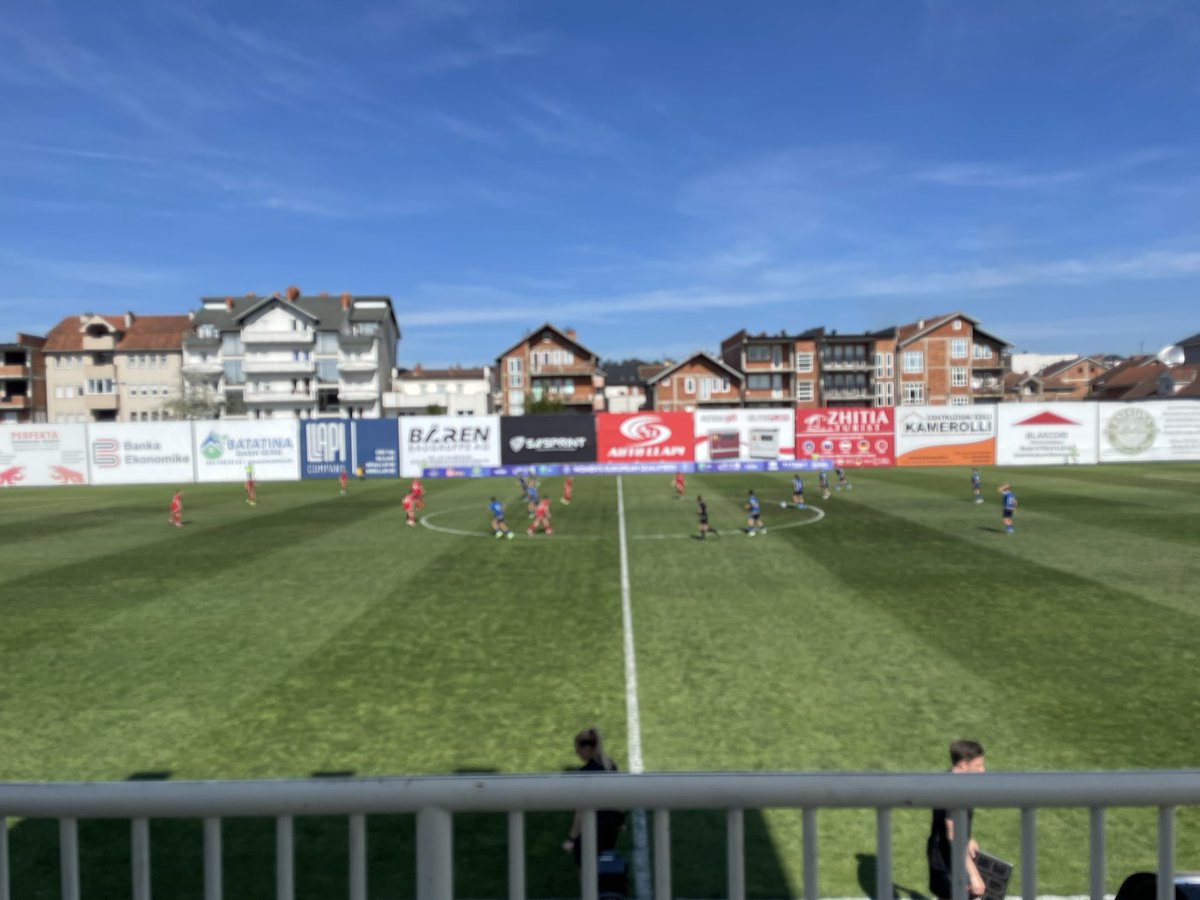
<point>358,393</point>
<point>101,401</point>
<point>14,403</point>
<point>193,342</point>
<point>14,371</point>
<point>847,365</point>
<point>104,342</point>
<point>293,338</point>
<point>258,366</point>
<point>104,371</point>
<point>203,367</point>
<point>991,388</point>
<point>845,393</point>
<point>257,395</point>
<point>358,364</point>
<point>357,338</point>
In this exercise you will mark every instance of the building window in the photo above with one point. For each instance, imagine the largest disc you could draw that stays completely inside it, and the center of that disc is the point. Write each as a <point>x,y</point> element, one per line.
<point>958,377</point>
<point>58,392</point>
<point>804,362</point>
<point>957,325</point>
<point>913,393</point>
<point>758,382</point>
<point>758,353</point>
<point>958,348</point>
<point>804,390</point>
<point>960,401</point>
<point>914,361</point>
<point>516,381</point>
<point>514,365</point>
<point>982,351</point>
<point>231,344</point>
<point>689,385</point>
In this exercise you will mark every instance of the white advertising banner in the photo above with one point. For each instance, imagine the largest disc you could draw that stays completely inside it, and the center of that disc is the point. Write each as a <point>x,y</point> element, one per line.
<point>1046,434</point>
<point>945,435</point>
<point>744,434</point>
<point>448,442</point>
<point>140,452</point>
<point>41,455</point>
<point>225,448</point>
<point>1154,430</point>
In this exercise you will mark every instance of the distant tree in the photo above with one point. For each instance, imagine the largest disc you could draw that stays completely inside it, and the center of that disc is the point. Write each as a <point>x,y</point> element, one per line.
<point>434,409</point>
<point>544,407</point>
<point>196,400</point>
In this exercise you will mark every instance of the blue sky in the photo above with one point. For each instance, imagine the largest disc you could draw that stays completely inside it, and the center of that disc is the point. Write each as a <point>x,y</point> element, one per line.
<point>654,175</point>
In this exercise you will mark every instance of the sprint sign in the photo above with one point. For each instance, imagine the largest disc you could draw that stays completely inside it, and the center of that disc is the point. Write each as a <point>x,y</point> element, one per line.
<point>644,437</point>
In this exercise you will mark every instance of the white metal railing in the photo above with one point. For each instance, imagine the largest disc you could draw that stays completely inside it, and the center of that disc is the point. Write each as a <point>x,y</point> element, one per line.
<point>435,800</point>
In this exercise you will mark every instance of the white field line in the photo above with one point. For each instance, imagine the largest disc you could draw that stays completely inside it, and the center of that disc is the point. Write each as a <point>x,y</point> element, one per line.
<point>633,725</point>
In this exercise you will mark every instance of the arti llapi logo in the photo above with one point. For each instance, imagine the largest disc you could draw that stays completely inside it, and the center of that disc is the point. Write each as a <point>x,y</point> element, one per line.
<point>213,446</point>
<point>1131,431</point>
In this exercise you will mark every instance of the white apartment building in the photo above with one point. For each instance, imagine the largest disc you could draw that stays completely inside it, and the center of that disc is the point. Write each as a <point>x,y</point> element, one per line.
<point>293,356</point>
<point>453,392</point>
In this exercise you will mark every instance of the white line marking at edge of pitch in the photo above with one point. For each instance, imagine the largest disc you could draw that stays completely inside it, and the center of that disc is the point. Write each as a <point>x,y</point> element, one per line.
<point>641,856</point>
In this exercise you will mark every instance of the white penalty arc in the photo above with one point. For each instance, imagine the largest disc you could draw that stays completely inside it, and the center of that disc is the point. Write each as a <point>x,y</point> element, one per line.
<point>426,522</point>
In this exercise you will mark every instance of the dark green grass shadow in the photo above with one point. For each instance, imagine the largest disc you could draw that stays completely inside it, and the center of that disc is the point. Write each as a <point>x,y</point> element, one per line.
<point>868,869</point>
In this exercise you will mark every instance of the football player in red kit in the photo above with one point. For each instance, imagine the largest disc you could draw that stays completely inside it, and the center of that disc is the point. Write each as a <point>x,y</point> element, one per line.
<point>418,493</point>
<point>566,497</point>
<point>407,505</point>
<point>678,485</point>
<point>177,510</point>
<point>541,516</point>
<point>343,479</point>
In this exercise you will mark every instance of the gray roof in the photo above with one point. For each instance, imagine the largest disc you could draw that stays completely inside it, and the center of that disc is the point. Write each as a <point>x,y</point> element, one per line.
<point>325,311</point>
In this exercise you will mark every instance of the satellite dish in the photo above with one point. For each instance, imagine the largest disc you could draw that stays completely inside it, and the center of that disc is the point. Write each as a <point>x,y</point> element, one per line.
<point>1171,355</point>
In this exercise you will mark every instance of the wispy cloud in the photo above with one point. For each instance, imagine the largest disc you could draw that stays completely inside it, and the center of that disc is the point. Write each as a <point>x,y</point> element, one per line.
<point>480,47</point>
<point>99,273</point>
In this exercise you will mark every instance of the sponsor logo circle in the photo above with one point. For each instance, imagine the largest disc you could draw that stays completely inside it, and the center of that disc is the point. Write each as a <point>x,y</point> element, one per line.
<point>1131,431</point>
<point>647,431</point>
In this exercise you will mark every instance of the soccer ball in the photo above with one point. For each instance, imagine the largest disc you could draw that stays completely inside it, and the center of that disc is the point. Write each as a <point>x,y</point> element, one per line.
<point>783,504</point>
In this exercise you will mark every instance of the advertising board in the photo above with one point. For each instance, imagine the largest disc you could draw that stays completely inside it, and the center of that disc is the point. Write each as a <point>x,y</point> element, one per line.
<point>1046,434</point>
<point>41,455</point>
<point>377,447</point>
<point>849,436</point>
<point>448,442</point>
<point>645,437</point>
<point>945,435</point>
<point>1153,430</point>
<point>324,448</point>
<point>538,440</point>
<point>743,434</point>
<point>224,449</point>
<point>140,452</point>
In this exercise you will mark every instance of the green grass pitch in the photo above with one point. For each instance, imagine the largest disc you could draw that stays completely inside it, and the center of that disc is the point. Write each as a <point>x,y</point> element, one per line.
<point>317,634</point>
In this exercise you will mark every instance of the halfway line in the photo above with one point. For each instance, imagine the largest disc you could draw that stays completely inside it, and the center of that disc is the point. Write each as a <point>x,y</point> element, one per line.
<point>641,856</point>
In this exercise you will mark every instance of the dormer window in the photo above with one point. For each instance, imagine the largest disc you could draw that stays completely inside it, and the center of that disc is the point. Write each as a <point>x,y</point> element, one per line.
<point>96,330</point>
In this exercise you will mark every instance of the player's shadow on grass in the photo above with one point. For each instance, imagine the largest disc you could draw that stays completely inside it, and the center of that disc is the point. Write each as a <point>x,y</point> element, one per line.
<point>321,860</point>
<point>991,528</point>
<point>867,871</point>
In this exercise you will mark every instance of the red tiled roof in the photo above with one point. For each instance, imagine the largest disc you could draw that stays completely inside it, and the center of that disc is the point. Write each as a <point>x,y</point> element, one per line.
<point>154,333</point>
<point>67,334</point>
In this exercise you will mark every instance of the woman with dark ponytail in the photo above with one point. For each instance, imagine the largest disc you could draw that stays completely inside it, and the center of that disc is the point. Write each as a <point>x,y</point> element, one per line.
<point>590,749</point>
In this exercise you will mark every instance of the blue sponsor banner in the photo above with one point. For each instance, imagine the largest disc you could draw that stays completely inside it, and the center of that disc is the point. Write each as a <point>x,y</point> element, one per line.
<point>377,448</point>
<point>552,470</point>
<point>324,448</point>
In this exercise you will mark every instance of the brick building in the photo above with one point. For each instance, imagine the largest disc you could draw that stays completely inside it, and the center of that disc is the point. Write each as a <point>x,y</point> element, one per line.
<point>23,380</point>
<point>699,381</point>
<point>949,361</point>
<point>548,365</point>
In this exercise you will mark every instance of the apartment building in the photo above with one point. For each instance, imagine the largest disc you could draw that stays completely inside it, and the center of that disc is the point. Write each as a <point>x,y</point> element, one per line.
<point>949,361</point>
<point>454,391</point>
<point>551,366</point>
<point>113,368</point>
<point>626,387</point>
<point>23,380</point>
<point>1072,379</point>
<point>779,369</point>
<point>293,356</point>
<point>700,381</point>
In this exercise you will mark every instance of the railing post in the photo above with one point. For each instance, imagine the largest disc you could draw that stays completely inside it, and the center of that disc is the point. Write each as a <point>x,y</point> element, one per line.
<point>810,853</point>
<point>213,886</point>
<point>285,873</point>
<point>68,855</point>
<point>1096,843</point>
<point>883,855</point>
<point>735,853</point>
<point>1166,853</point>
<point>358,856</point>
<point>958,854</point>
<point>589,886</point>
<point>5,893</point>
<point>662,854</point>
<point>516,855</point>
<point>435,859</point>
<point>139,837</point>
<point>1029,854</point>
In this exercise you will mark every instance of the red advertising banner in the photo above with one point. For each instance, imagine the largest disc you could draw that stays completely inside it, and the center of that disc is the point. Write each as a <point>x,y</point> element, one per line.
<point>644,437</point>
<point>849,435</point>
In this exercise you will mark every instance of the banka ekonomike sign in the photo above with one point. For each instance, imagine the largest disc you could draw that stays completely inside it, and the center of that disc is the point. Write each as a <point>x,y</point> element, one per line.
<point>140,452</point>
<point>534,440</point>
<point>439,442</point>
